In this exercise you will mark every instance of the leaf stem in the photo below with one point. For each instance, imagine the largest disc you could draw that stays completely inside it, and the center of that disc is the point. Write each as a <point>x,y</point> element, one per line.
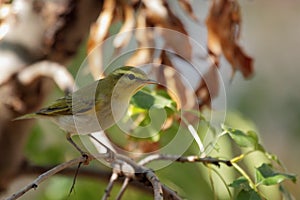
<point>244,174</point>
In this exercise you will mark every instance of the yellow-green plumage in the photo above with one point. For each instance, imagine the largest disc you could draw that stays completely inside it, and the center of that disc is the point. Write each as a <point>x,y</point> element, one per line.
<point>96,106</point>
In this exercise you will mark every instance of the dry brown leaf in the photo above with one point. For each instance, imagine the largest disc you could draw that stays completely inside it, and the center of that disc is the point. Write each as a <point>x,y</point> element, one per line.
<point>187,7</point>
<point>144,146</point>
<point>223,24</point>
<point>167,77</point>
<point>159,14</point>
<point>209,87</point>
<point>170,78</point>
<point>98,32</point>
<point>144,37</point>
<point>124,35</point>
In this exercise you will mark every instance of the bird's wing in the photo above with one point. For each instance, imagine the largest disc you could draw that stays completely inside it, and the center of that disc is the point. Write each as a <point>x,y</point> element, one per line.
<point>79,102</point>
<point>62,106</point>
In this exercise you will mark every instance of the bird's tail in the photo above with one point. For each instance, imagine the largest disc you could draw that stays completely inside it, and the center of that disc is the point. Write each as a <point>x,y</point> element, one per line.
<point>27,116</point>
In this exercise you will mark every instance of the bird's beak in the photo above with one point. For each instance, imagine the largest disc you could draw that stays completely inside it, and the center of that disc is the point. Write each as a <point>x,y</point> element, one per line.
<point>151,81</point>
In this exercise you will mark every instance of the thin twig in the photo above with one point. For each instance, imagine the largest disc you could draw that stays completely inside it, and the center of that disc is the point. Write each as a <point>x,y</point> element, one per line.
<point>46,175</point>
<point>117,163</point>
<point>111,182</point>
<point>75,177</point>
<point>123,188</point>
<point>138,169</point>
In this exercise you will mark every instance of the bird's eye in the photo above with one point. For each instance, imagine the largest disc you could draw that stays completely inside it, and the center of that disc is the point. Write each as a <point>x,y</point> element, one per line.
<point>131,76</point>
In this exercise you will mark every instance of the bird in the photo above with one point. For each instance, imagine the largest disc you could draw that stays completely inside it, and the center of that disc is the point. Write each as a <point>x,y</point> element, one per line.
<point>97,106</point>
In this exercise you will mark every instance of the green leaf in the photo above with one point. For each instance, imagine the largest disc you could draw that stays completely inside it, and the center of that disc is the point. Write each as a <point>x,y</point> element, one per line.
<point>248,195</point>
<point>240,183</point>
<point>273,157</point>
<point>266,176</point>
<point>245,191</point>
<point>150,126</point>
<point>248,139</point>
<point>145,100</point>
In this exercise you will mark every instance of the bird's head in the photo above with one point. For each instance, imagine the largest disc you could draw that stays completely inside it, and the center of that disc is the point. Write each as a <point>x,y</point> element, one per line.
<point>129,79</point>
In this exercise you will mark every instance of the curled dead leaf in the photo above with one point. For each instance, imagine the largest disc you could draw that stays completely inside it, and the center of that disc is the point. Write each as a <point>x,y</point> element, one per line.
<point>188,8</point>
<point>98,32</point>
<point>223,24</point>
<point>144,146</point>
<point>159,14</point>
<point>208,88</point>
<point>124,35</point>
<point>144,37</point>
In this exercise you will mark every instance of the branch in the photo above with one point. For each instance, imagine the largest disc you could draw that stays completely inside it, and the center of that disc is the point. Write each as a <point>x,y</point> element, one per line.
<point>123,188</point>
<point>58,73</point>
<point>123,165</point>
<point>46,175</point>
<point>140,175</point>
<point>190,159</point>
<point>157,187</point>
<point>84,172</point>
<point>108,189</point>
<point>130,169</point>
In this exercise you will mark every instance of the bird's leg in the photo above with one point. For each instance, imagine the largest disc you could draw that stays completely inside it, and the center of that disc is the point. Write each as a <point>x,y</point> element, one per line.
<point>84,154</point>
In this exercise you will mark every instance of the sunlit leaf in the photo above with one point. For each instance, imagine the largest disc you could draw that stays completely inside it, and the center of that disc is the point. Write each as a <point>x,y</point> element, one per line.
<point>273,157</point>
<point>266,176</point>
<point>243,139</point>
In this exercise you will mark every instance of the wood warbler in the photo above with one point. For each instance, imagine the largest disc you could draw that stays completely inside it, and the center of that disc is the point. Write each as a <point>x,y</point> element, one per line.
<point>97,106</point>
